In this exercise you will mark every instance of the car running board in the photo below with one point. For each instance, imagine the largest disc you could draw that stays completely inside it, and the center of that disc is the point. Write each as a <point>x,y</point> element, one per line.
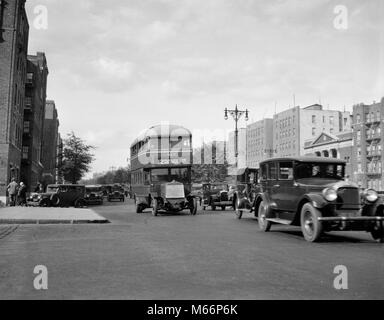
<point>281,221</point>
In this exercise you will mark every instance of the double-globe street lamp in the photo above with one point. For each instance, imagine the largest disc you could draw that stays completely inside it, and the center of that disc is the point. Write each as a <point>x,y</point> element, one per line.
<point>236,115</point>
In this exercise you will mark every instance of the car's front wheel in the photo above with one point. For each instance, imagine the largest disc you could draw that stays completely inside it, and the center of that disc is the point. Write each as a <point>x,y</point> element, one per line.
<point>311,227</point>
<point>239,212</point>
<point>264,224</point>
<point>155,207</point>
<point>378,234</point>
<point>193,208</point>
<point>80,203</point>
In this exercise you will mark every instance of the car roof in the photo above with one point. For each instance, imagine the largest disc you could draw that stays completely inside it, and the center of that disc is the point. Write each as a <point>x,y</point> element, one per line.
<point>93,186</point>
<point>65,185</point>
<point>307,159</point>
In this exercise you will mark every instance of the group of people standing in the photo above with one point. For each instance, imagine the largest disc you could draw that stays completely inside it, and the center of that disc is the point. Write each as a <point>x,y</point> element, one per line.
<point>17,193</point>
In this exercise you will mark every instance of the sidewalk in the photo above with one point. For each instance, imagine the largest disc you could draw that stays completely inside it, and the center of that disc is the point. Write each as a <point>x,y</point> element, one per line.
<point>38,215</point>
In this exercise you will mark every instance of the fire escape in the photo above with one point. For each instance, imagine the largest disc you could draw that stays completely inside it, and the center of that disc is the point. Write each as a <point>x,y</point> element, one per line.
<point>374,146</point>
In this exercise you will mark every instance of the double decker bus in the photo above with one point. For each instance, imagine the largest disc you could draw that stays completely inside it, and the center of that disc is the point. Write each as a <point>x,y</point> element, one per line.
<point>159,155</point>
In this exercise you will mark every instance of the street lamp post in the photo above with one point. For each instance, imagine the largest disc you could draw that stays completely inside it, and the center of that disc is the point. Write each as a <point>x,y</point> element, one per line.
<point>236,115</point>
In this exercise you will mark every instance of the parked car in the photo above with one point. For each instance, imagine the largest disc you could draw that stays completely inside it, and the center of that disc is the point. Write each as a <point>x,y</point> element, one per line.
<point>173,199</point>
<point>244,189</point>
<point>313,193</point>
<point>216,195</point>
<point>115,192</point>
<point>60,195</point>
<point>94,194</point>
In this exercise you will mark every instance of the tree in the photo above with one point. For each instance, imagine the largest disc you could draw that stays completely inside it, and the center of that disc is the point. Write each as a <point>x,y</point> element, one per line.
<point>77,158</point>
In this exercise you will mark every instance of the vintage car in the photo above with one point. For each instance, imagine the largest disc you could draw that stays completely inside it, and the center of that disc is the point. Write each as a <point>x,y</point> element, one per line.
<point>173,199</point>
<point>115,192</point>
<point>94,194</point>
<point>60,195</point>
<point>243,190</point>
<point>216,195</point>
<point>313,193</point>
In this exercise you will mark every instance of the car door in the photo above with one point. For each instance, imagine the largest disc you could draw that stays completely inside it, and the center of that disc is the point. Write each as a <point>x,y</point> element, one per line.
<point>286,191</point>
<point>272,186</point>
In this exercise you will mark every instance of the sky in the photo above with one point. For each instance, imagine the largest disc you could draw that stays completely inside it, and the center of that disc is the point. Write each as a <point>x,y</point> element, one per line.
<point>117,67</point>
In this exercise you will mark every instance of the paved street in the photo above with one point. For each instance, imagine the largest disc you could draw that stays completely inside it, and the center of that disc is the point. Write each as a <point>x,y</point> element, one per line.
<point>208,256</point>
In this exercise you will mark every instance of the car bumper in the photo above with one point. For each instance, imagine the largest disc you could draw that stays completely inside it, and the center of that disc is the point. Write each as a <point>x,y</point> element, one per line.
<point>341,219</point>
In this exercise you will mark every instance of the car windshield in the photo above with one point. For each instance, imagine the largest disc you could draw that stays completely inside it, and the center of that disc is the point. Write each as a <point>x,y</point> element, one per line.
<point>320,170</point>
<point>52,189</point>
<point>220,187</point>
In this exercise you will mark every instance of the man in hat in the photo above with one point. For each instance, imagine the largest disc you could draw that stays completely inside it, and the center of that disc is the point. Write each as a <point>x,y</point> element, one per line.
<point>12,191</point>
<point>22,194</point>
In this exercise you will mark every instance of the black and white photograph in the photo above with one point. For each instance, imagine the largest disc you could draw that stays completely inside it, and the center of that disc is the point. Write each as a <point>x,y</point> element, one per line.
<point>214,151</point>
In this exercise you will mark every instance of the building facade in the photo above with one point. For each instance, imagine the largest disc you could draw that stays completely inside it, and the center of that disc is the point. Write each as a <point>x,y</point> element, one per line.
<point>14,33</point>
<point>293,127</point>
<point>34,114</point>
<point>368,136</point>
<point>50,140</point>
<point>259,142</point>
<point>338,146</point>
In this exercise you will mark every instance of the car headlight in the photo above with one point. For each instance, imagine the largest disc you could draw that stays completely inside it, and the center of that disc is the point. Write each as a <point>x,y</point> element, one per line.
<point>371,195</point>
<point>330,194</point>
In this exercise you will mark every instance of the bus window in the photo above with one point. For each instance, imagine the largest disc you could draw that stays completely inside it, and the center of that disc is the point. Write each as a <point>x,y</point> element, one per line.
<point>179,174</point>
<point>159,175</point>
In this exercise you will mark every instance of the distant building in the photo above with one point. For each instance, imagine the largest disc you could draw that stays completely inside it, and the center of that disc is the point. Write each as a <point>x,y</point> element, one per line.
<point>368,136</point>
<point>295,126</point>
<point>242,148</point>
<point>14,32</point>
<point>338,146</point>
<point>50,142</point>
<point>259,142</point>
<point>59,160</point>
<point>34,114</point>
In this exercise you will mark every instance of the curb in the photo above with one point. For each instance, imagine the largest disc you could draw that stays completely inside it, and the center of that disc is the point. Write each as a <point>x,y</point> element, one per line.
<point>51,221</point>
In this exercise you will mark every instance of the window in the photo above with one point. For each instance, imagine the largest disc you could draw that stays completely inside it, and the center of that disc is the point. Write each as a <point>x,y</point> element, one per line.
<point>25,152</point>
<point>358,118</point>
<point>331,130</point>
<point>331,120</point>
<point>159,175</point>
<point>26,126</point>
<point>272,171</point>
<point>313,131</point>
<point>313,119</point>
<point>263,172</point>
<point>285,171</point>
<point>358,136</point>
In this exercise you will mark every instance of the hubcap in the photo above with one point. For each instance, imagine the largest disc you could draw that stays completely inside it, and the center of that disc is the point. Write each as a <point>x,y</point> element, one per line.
<point>308,223</point>
<point>262,215</point>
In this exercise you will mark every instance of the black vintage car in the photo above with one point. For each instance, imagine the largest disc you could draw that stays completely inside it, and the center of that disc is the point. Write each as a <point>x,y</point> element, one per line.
<point>60,195</point>
<point>115,192</point>
<point>243,190</point>
<point>216,195</point>
<point>312,193</point>
<point>94,194</point>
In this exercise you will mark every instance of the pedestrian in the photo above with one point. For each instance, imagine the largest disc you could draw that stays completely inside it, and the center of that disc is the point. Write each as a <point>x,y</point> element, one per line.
<point>12,191</point>
<point>39,188</point>
<point>22,195</point>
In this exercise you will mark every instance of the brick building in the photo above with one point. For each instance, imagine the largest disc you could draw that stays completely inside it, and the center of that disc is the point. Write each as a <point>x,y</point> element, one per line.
<point>50,142</point>
<point>14,32</point>
<point>259,142</point>
<point>34,114</point>
<point>368,136</point>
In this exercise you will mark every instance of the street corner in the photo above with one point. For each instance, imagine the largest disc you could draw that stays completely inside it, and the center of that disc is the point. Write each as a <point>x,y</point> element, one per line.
<point>32,215</point>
